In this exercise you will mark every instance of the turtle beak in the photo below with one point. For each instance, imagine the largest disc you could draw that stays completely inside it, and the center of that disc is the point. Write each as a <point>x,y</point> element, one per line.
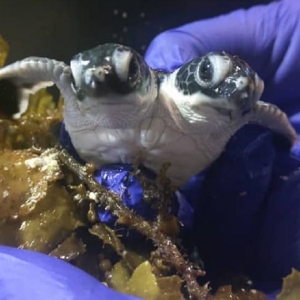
<point>245,86</point>
<point>255,83</point>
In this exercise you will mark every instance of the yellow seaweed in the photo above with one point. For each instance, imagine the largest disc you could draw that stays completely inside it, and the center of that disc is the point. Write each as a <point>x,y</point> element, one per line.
<point>36,211</point>
<point>120,275</point>
<point>291,287</point>
<point>33,128</point>
<point>143,282</point>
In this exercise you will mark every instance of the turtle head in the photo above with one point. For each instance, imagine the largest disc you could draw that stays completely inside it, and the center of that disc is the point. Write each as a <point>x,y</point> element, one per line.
<point>109,75</point>
<point>218,85</point>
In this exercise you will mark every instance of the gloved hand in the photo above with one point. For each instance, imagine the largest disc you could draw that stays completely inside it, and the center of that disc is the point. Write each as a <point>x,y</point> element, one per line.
<point>246,208</point>
<point>28,275</point>
<point>266,36</point>
<point>247,211</point>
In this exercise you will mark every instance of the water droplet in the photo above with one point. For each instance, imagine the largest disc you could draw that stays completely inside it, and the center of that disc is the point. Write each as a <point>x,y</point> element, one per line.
<point>124,15</point>
<point>114,35</point>
<point>142,15</point>
<point>125,29</point>
<point>116,12</point>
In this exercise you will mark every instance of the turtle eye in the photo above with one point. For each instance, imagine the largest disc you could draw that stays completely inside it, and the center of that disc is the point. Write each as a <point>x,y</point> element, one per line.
<point>212,70</point>
<point>133,71</point>
<point>205,70</point>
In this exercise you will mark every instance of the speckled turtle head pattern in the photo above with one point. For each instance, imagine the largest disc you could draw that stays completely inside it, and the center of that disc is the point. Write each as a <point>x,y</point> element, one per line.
<point>221,76</point>
<point>216,85</point>
<point>119,110</point>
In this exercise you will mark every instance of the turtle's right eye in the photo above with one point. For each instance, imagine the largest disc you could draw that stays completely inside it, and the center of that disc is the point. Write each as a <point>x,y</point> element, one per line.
<point>204,73</point>
<point>205,70</point>
<point>212,69</point>
<point>134,71</point>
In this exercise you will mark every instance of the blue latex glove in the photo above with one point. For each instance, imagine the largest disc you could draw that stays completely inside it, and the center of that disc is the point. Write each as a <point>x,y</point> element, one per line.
<point>27,275</point>
<point>249,204</point>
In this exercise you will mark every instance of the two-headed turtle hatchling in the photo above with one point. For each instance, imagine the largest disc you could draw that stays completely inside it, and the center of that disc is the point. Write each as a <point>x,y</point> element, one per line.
<point>117,108</point>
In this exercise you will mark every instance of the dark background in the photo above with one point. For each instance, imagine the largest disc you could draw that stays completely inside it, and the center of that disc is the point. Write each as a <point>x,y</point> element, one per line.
<point>61,28</point>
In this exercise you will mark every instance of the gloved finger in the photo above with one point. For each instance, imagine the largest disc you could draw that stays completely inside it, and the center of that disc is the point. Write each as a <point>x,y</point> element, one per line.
<point>266,36</point>
<point>247,219</point>
<point>119,179</point>
<point>230,199</point>
<point>27,275</point>
<point>278,245</point>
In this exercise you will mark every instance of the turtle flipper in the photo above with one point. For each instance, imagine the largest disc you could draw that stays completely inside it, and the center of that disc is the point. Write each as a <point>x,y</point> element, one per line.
<point>271,116</point>
<point>33,72</point>
<point>26,76</point>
